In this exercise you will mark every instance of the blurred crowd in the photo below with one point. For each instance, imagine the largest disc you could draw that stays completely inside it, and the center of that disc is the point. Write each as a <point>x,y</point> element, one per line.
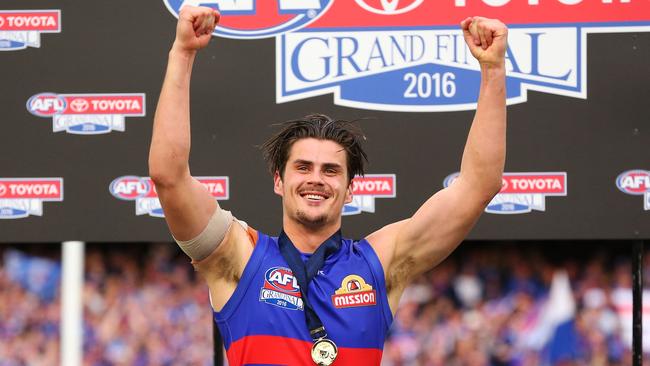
<point>29,308</point>
<point>514,304</point>
<point>143,305</point>
<point>520,305</point>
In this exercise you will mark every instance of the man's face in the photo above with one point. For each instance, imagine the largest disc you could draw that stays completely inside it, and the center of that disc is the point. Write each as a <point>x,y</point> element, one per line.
<point>315,184</point>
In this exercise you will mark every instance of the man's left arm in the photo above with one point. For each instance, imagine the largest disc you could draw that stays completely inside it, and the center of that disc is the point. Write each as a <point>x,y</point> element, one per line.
<point>413,246</point>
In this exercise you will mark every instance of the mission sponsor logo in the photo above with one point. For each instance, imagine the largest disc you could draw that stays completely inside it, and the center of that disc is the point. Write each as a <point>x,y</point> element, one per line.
<point>143,192</point>
<point>410,56</point>
<point>635,182</point>
<point>281,289</point>
<point>22,197</point>
<point>523,192</point>
<point>354,292</point>
<point>87,114</point>
<point>20,29</point>
<point>365,189</point>
<point>258,18</point>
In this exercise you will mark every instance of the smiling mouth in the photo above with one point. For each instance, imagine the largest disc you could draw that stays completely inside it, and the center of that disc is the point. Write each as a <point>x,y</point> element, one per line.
<point>314,197</point>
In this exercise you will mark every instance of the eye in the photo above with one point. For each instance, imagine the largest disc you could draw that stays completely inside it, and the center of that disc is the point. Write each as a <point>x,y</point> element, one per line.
<point>302,168</point>
<point>331,171</point>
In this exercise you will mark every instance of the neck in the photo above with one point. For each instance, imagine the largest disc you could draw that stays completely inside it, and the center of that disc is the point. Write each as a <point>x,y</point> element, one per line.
<point>307,239</point>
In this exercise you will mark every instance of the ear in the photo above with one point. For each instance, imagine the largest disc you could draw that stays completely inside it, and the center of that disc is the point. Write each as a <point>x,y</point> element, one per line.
<point>348,193</point>
<point>277,184</point>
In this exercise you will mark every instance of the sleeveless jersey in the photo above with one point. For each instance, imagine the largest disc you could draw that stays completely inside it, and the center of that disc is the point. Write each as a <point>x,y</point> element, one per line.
<point>263,323</point>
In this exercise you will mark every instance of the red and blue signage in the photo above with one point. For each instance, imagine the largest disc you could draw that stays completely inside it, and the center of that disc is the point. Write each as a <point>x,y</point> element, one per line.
<point>523,192</point>
<point>20,29</point>
<point>368,187</point>
<point>635,182</point>
<point>87,114</point>
<point>22,197</point>
<point>250,19</point>
<point>143,191</point>
<point>410,55</point>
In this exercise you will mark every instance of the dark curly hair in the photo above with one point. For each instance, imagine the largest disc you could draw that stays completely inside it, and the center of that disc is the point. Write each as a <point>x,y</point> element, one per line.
<point>319,126</point>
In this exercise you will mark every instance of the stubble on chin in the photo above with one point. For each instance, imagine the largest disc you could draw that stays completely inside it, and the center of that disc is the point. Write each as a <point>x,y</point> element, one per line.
<point>305,219</point>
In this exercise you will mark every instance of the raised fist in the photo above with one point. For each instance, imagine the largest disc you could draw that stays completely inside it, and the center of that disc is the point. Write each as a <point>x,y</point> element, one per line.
<point>195,26</point>
<point>487,39</point>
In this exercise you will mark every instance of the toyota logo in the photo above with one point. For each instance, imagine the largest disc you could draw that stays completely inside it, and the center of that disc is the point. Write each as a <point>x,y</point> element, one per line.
<point>79,105</point>
<point>390,7</point>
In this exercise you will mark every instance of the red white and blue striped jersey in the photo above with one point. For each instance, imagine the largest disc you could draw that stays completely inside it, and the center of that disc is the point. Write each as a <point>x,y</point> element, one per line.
<point>263,323</point>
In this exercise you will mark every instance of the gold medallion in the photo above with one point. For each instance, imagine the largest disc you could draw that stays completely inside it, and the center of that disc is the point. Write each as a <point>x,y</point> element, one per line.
<point>324,352</point>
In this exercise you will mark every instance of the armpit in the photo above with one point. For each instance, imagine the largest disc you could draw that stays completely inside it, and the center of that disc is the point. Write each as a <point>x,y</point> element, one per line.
<point>399,275</point>
<point>223,263</point>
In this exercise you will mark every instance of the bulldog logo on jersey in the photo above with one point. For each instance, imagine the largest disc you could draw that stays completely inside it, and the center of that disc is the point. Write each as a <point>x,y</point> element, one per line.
<point>354,292</point>
<point>637,183</point>
<point>258,18</point>
<point>281,289</point>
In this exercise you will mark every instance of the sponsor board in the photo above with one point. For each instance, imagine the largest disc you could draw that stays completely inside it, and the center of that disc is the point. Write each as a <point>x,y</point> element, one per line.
<point>635,182</point>
<point>20,29</point>
<point>365,189</point>
<point>281,289</point>
<point>411,54</point>
<point>252,19</point>
<point>523,192</point>
<point>22,197</point>
<point>354,292</point>
<point>87,114</point>
<point>143,192</point>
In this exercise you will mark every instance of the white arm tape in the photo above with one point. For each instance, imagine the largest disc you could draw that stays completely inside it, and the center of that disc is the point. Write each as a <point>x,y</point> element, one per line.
<point>208,240</point>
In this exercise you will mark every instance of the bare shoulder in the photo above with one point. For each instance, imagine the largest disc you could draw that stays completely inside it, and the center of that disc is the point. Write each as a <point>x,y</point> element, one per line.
<point>384,242</point>
<point>223,269</point>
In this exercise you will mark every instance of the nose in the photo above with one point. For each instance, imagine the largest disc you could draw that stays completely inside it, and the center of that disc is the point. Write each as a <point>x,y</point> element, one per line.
<point>315,177</point>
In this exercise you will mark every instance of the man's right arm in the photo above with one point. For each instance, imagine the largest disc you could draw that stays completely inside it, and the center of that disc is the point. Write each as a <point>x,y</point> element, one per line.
<point>187,204</point>
<point>219,249</point>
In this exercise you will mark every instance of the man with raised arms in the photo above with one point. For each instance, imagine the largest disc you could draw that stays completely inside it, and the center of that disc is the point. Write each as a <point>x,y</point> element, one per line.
<point>309,296</point>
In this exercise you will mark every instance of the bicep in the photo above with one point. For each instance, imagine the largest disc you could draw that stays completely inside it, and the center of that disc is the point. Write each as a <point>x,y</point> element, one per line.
<point>438,226</point>
<point>188,206</point>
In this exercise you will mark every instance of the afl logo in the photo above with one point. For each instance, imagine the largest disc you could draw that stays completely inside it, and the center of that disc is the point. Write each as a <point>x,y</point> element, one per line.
<point>46,104</point>
<point>634,182</point>
<point>282,279</point>
<point>389,7</point>
<point>250,19</point>
<point>129,188</point>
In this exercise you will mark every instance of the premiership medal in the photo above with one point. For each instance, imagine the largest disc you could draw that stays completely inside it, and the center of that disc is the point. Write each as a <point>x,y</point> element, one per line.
<point>324,352</point>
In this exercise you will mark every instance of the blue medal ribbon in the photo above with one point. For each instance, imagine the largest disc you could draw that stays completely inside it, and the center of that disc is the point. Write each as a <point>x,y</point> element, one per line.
<point>305,272</point>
